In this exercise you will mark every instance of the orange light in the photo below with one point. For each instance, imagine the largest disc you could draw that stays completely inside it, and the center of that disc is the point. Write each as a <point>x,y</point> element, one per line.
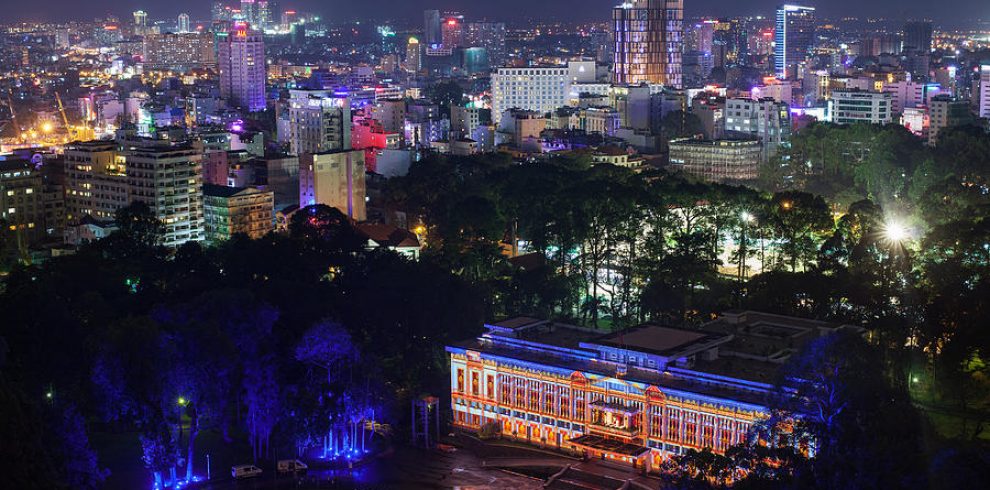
<point>452,22</point>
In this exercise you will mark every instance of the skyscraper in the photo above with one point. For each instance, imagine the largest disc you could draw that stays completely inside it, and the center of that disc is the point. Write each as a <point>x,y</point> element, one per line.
<point>431,28</point>
<point>918,36</point>
<point>241,56</point>
<point>452,31</point>
<point>794,36</point>
<point>319,121</point>
<point>183,23</point>
<point>249,12</point>
<point>140,18</point>
<point>414,60</point>
<point>168,178</point>
<point>985,91</point>
<point>488,35</point>
<point>648,42</point>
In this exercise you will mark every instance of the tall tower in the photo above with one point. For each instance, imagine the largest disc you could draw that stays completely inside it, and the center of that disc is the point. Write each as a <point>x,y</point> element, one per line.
<point>140,18</point>
<point>984,100</point>
<point>794,37</point>
<point>918,36</point>
<point>432,35</point>
<point>183,23</point>
<point>241,57</point>
<point>414,60</point>
<point>648,42</point>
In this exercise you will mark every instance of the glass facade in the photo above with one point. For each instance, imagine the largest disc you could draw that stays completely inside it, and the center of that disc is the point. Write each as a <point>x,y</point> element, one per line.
<point>648,42</point>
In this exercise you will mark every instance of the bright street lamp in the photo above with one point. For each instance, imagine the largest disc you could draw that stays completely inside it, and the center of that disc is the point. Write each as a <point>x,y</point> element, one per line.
<point>895,232</point>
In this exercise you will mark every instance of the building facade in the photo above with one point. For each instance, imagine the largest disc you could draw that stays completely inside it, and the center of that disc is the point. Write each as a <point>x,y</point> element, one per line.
<point>168,178</point>
<point>336,179</point>
<point>848,106</point>
<point>540,89</point>
<point>984,106</point>
<point>22,212</point>
<point>179,52</point>
<point>232,210</point>
<point>635,397</point>
<point>241,57</point>
<point>319,121</point>
<point>945,112</point>
<point>95,180</point>
<point>718,160</point>
<point>648,36</point>
<point>766,119</point>
<point>794,37</point>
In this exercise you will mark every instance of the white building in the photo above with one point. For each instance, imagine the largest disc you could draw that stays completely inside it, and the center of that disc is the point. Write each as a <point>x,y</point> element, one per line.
<point>984,108</point>
<point>910,95</point>
<point>540,89</point>
<point>169,179</point>
<point>319,121</point>
<point>849,106</point>
<point>766,119</point>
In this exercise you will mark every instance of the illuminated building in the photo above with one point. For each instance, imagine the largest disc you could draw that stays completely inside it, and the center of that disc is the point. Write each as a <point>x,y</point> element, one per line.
<point>241,56</point>
<point>794,37</point>
<point>232,210</point>
<point>724,160</point>
<point>95,180</point>
<point>540,89</point>
<point>452,31</point>
<point>140,18</point>
<point>22,212</point>
<point>491,36</point>
<point>414,53</point>
<point>335,179</point>
<point>916,121</point>
<point>391,114</point>
<point>319,121</point>
<point>648,42</point>
<point>168,178</point>
<point>766,119</point>
<point>910,95</point>
<point>984,98</point>
<point>183,23</point>
<point>848,106</point>
<point>179,52</point>
<point>635,397</point>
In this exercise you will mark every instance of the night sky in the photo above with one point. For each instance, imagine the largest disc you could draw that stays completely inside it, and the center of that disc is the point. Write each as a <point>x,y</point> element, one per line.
<point>950,11</point>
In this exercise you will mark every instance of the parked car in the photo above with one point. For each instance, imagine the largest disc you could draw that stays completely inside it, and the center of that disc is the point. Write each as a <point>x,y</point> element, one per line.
<point>291,466</point>
<point>243,471</point>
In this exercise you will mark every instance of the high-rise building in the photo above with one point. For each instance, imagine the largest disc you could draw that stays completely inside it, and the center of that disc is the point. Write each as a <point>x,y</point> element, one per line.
<point>794,37</point>
<point>168,179</point>
<point>984,106</point>
<point>432,34</point>
<point>183,23</point>
<point>414,55</point>
<point>648,42</point>
<point>140,18</point>
<point>918,36</point>
<point>95,180</point>
<point>22,212</point>
<point>319,122</point>
<point>237,210</point>
<point>488,35</point>
<point>241,56</point>
<point>336,179</point>
<point>848,106</point>
<point>179,52</point>
<point>452,31</point>
<point>263,14</point>
<point>535,88</point>
<point>249,13</point>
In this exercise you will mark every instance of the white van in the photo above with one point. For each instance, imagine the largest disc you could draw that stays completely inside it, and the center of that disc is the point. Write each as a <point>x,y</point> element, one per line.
<point>291,465</point>
<point>243,471</point>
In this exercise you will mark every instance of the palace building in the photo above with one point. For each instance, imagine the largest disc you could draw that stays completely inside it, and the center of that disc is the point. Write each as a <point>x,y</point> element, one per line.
<point>636,396</point>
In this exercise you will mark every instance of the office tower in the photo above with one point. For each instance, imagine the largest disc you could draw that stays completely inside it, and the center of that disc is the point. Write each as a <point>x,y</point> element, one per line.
<point>289,18</point>
<point>183,23</point>
<point>488,35</point>
<point>237,210</point>
<point>414,55</point>
<point>944,112</point>
<point>432,34</point>
<point>241,56</point>
<point>918,36</point>
<point>648,42</point>
<point>95,180</point>
<point>319,121</point>
<point>476,61</point>
<point>218,11</point>
<point>537,89</point>
<point>984,106</point>
<point>848,106</point>
<point>766,119</point>
<point>249,13</point>
<point>263,14</point>
<point>794,37</point>
<point>179,52</point>
<point>335,179</point>
<point>699,36</point>
<point>452,31</point>
<point>168,178</point>
<point>140,18</point>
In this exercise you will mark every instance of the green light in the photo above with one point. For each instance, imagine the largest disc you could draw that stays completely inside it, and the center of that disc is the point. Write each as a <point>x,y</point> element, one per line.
<point>182,401</point>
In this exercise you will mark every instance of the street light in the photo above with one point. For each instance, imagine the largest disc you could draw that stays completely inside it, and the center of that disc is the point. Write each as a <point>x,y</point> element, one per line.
<point>895,232</point>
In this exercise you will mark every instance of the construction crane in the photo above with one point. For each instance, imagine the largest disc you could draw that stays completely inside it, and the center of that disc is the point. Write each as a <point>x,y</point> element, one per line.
<point>71,133</point>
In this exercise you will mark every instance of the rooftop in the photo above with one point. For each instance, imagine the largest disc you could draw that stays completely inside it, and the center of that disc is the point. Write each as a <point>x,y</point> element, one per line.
<point>659,340</point>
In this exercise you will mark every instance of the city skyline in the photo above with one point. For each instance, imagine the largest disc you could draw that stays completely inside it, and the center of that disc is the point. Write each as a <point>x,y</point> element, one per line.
<point>948,12</point>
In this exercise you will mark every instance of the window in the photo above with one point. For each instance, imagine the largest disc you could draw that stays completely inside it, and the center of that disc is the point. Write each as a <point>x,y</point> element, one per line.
<point>460,380</point>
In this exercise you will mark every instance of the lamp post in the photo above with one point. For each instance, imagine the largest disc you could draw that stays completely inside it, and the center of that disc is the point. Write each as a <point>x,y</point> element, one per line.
<point>181,404</point>
<point>746,218</point>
